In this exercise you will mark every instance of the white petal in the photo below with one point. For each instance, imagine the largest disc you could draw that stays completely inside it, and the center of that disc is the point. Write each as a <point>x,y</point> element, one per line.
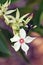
<point>17,14</point>
<point>10,11</point>
<point>6,20</point>
<point>6,4</point>
<point>29,39</point>
<point>0,12</point>
<point>29,18</point>
<point>25,47</point>
<point>15,38</point>
<point>21,19</point>
<point>16,46</point>
<point>11,17</point>
<point>22,33</point>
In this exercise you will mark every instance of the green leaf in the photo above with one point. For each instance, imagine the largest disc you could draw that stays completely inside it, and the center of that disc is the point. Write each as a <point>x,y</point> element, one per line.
<point>14,0</point>
<point>7,34</point>
<point>41,19</point>
<point>3,1</point>
<point>39,30</point>
<point>36,19</point>
<point>3,44</point>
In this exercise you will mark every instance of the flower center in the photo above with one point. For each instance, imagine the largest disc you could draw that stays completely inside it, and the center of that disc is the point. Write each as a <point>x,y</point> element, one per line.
<point>21,41</point>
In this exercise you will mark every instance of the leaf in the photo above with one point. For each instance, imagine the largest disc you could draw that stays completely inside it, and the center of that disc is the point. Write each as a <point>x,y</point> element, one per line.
<point>39,30</point>
<point>3,44</point>
<point>14,0</point>
<point>36,20</point>
<point>7,34</point>
<point>41,19</point>
<point>3,1</point>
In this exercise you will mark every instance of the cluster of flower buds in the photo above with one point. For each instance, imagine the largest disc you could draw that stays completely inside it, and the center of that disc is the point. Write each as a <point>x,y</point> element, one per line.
<point>17,23</point>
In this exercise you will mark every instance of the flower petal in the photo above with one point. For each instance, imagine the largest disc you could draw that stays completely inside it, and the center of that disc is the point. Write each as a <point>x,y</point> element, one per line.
<point>6,20</point>
<point>12,18</point>
<point>6,4</point>
<point>22,33</point>
<point>16,46</point>
<point>10,11</point>
<point>29,18</point>
<point>0,12</point>
<point>17,14</point>
<point>25,47</point>
<point>21,19</point>
<point>15,38</point>
<point>29,39</point>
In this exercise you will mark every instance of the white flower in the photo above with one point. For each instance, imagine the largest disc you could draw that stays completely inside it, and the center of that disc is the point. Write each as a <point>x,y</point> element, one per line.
<point>4,10</point>
<point>21,40</point>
